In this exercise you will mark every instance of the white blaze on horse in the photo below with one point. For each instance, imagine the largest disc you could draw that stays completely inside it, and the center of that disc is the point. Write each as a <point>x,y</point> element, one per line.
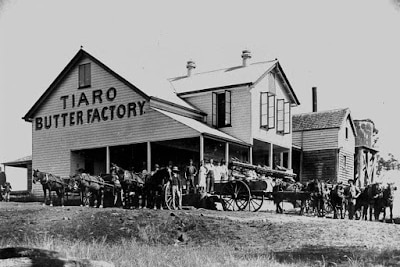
<point>51,183</point>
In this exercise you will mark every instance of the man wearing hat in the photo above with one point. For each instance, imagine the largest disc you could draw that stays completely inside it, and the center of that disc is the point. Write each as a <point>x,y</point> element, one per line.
<point>176,188</point>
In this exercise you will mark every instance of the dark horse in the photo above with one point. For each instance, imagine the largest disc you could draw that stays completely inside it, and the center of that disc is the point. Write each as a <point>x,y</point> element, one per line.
<point>386,201</point>
<point>88,185</point>
<point>132,186</point>
<point>338,200</point>
<point>50,183</point>
<point>155,187</point>
<point>369,199</point>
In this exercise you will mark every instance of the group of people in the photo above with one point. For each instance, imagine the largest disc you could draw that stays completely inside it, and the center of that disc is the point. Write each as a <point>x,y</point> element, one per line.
<point>196,180</point>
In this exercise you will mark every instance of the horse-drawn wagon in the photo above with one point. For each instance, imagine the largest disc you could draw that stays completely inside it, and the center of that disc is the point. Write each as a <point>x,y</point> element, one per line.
<point>250,185</point>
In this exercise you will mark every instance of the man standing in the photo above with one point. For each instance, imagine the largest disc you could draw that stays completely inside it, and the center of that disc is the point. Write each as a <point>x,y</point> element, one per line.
<point>210,176</point>
<point>190,173</point>
<point>353,193</point>
<point>176,187</point>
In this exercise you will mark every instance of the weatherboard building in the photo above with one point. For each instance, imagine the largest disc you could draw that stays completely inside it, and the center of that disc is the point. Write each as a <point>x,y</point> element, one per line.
<point>91,116</point>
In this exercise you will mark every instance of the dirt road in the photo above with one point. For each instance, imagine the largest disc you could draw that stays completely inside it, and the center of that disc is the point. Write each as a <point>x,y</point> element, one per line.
<point>287,236</point>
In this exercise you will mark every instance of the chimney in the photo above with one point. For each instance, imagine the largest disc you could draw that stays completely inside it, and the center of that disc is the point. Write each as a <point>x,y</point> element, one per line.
<point>314,99</point>
<point>190,67</point>
<point>246,54</point>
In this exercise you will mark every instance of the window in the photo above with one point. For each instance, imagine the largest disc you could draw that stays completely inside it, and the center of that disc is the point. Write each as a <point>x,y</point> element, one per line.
<point>84,75</point>
<point>287,118</point>
<point>221,109</point>
<point>344,162</point>
<point>267,110</point>
<point>347,133</point>
<point>280,116</point>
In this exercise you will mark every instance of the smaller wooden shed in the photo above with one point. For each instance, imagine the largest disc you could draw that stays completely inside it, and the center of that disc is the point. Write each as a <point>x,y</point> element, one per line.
<point>326,140</point>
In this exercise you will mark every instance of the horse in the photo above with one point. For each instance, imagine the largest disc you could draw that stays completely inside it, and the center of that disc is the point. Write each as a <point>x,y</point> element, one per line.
<point>88,185</point>
<point>386,201</point>
<point>50,183</point>
<point>6,191</point>
<point>155,186</point>
<point>132,186</point>
<point>338,200</point>
<point>369,200</point>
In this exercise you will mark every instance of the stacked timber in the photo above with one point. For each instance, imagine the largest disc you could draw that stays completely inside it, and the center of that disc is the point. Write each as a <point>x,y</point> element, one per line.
<point>249,171</point>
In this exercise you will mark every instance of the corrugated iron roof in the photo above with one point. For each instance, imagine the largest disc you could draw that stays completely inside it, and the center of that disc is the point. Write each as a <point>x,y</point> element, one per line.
<point>222,77</point>
<point>319,120</point>
<point>200,126</point>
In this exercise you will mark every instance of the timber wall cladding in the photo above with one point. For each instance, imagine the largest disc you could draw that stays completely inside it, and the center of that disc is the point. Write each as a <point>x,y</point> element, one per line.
<point>319,164</point>
<point>346,166</point>
<point>51,147</point>
<point>316,139</point>
<point>268,135</point>
<point>241,110</point>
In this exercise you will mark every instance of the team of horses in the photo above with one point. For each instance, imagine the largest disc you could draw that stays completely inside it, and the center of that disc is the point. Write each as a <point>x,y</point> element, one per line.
<point>321,198</point>
<point>126,186</point>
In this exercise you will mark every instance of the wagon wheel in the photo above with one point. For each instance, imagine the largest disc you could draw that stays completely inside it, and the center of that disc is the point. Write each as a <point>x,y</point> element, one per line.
<point>168,197</point>
<point>256,203</point>
<point>235,195</point>
<point>86,198</point>
<point>328,207</point>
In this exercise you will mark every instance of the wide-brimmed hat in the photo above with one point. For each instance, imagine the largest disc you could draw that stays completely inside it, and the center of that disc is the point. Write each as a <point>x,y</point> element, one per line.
<point>175,169</point>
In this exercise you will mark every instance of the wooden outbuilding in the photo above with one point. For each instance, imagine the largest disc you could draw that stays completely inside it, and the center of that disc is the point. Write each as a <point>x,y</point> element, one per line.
<point>326,145</point>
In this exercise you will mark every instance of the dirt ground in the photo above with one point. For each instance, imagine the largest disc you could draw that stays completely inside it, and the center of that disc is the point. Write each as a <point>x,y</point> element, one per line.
<point>287,236</point>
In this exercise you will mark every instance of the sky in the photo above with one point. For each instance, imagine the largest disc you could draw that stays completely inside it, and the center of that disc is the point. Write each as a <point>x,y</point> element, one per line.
<point>349,50</point>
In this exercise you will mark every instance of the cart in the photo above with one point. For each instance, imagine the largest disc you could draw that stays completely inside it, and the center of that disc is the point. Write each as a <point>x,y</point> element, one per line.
<point>245,192</point>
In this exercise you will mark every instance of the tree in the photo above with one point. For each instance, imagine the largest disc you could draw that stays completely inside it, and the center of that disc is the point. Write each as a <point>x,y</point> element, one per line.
<point>388,164</point>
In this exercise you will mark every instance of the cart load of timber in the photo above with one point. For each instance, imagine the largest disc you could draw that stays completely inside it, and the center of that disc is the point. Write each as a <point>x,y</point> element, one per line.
<point>249,185</point>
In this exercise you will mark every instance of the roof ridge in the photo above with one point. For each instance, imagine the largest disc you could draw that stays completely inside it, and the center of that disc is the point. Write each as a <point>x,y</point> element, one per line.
<point>323,111</point>
<point>221,69</point>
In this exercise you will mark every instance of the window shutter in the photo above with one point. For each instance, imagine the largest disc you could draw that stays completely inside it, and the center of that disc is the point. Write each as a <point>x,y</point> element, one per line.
<point>264,109</point>
<point>87,74</point>
<point>271,111</point>
<point>287,117</point>
<point>228,108</point>
<point>214,110</point>
<point>81,75</point>
<point>280,116</point>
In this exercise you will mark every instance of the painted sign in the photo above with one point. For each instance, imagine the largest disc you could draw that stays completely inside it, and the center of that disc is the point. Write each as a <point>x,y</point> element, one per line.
<point>91,115</point>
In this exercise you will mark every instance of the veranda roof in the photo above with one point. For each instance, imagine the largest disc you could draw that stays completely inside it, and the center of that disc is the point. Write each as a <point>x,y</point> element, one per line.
<point>201,127</point>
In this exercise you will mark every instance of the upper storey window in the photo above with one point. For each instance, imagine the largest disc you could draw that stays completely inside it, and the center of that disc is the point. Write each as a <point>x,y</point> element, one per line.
<point>267,108</point>
<point>221,109</point>
<point>84,75</point>
<point>275,113</point>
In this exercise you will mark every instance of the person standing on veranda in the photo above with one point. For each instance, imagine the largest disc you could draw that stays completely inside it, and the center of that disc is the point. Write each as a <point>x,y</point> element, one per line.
<point>190,173</point>
<point>202,177</point>
<point>210,176</point>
